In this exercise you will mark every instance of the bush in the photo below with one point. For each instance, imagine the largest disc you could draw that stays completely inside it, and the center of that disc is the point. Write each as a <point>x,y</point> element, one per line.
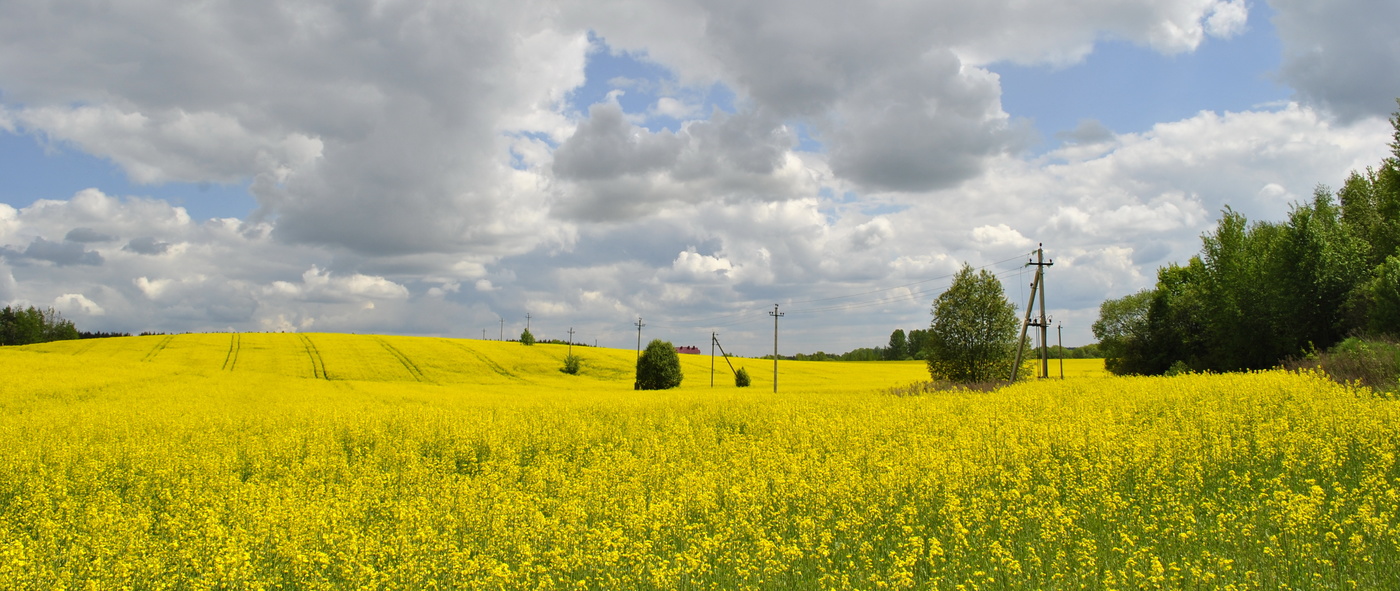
<point>1374,363</point>
<point>572,364</point>
<point>526,338</point>
<point>659,367</point>
<point>741,378</point>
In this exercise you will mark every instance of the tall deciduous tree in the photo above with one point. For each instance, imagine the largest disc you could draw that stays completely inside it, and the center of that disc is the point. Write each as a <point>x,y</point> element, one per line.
<point>918,343</point>
<point>1122,331</point>
<point>973,334</point>
<point>899,346</point>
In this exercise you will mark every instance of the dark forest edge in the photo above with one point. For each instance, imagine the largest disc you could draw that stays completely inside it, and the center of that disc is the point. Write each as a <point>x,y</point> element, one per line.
<point>1322,285</point>
<point>28,326</point>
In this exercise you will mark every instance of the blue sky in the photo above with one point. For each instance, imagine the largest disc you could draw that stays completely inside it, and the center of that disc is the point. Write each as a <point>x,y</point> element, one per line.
<point>1130,88</point>
<point>433,170</point>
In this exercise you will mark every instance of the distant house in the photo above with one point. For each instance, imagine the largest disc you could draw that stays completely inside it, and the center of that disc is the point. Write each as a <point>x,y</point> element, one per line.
<point>688,350</point>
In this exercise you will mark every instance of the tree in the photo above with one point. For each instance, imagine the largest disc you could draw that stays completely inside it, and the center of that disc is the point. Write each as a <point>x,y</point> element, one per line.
<point>973,334</point>
<point>1122,330</point>
<point>899,346</point>
<point>918,342</point>
<point>742,379</point>
<point>1383,293</point>
<point>572,364</point>
<point>526,338</point>
<point>32,325</point>
<point>659,367</point>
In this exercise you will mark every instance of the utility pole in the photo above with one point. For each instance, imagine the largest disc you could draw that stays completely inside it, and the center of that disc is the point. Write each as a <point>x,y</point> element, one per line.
<point>1037,286</point>
<point>483,334</point>
<point>527,321</point>
<point>571,340</point>
<point>776,315</point>
<point>1044,324</point>
<point>503,328</point>
<point>714,342</point>
<point>1060,339</point>
<point>639,338</point>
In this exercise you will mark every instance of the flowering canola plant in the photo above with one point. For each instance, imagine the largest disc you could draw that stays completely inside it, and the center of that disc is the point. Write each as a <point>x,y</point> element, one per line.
<point>320,461</point>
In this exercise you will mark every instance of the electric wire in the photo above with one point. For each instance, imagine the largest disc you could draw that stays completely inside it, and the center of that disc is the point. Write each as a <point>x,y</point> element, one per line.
<point>746,316</point>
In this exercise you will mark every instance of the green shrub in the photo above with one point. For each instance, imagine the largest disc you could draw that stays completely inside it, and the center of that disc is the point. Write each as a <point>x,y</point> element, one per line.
<point>572,364</point>
<point>526,338</point>
<point>741,378</point>
<point>659,367</point>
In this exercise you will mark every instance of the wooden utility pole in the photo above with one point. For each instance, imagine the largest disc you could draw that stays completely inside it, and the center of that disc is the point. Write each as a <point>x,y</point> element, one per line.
<point>571,340</point>
<point>1060,339</point>
<point>639,338</point>
<point>776,315</point>
<point>527,321</point>
<point>1037,286</point>
<point>503,328</point>
<point>714,342</point>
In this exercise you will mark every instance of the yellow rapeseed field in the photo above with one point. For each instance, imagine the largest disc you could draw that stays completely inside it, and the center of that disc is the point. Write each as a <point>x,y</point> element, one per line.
<point>320,461</point>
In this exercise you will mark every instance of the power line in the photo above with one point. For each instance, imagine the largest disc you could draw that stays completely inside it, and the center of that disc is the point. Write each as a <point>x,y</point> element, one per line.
<point>744,316</point>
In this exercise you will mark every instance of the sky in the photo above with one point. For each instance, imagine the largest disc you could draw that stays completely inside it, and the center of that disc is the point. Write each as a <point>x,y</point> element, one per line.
<point>461,169</point>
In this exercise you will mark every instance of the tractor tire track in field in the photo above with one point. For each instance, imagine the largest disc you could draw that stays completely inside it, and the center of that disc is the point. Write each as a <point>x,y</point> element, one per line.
<point>496,367</point>
<point>318,365</point>
<point>158,348</point>
<point>403,359</point>
<point>83,349</point>
<point>232,358</point>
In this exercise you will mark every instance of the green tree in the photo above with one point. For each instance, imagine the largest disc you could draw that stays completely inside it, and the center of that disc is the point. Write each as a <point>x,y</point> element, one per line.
<point>918,342</point>
<point>572,364</point>
<point>1383,295</point>
<point>32,325</point>
<point>526,338</point>
<point>742,379</point>
<point>899,346</point>
<point>659,367</point>
<point>1316,265</point>
<point>973,334</point>
<point>1122,330</point>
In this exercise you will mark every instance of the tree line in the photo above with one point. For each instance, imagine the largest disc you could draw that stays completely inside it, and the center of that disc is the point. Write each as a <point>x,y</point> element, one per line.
<point>26,326</point>
<point>1259,293</point>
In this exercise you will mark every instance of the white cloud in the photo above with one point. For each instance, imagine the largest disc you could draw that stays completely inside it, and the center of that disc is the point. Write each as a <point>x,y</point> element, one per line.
<point>77,304</point>
<point>174,145</point>
<point>1000,235</point>
<point>1227,19</point>
<point>1341,55</point>
<point>675,108</point>
<point>693,266</point>
<point>318,285</point>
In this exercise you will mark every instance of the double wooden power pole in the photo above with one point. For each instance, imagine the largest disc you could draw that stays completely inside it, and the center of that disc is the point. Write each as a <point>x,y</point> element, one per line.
<point>1037,287</point>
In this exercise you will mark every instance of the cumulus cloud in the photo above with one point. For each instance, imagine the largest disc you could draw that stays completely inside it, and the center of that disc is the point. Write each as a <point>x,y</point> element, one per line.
<point>173,145</point>
<point>614,170</point>
<point>386,147</point>
<point>1000,235</point>
<point>58,253</point>
<point>1341,56</point>
<point>320,286</point>
<point>146,245</point>
<point>77,304</point>
<point>87,235</point>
